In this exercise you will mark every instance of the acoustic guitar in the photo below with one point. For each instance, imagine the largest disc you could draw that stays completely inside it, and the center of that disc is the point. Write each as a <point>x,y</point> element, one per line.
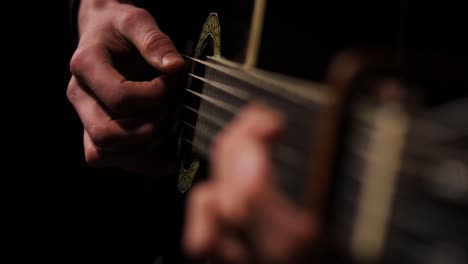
<point>383,166</point>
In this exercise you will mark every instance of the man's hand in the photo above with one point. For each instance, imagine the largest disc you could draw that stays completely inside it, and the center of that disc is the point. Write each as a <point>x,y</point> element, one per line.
<point>113,86</point>
<point>239,215</point>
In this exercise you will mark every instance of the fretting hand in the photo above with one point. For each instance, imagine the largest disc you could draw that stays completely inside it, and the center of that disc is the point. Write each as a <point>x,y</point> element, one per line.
<point>239,215</point>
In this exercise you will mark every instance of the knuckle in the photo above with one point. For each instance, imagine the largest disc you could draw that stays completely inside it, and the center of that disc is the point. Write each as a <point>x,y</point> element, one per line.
<point>81,59</point>
<point>155,40</point>
<point>127,98</point>
<point>118,101</point>
<point>130,17</point>
<point>77,62</point>
<point>72,90</point>
<point>109,135</point>
<point>101,136</point>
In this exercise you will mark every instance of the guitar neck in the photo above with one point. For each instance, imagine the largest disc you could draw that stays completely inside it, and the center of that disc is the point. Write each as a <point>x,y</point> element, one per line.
<point>351,148</point>
<point>227,86</point>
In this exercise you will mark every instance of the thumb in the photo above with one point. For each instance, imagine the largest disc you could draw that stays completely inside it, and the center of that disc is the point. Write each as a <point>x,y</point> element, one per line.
<point>139,26</point>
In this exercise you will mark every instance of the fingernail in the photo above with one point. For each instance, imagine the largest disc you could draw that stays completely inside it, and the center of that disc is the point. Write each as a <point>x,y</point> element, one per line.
<point>171,58</point>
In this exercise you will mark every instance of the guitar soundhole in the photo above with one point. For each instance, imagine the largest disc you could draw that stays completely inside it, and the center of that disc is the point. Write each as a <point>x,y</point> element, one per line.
<point>194,102</point>
<point>189,161</point>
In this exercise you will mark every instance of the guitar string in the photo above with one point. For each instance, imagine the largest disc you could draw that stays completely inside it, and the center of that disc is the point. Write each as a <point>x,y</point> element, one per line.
<point>223,105</point>
<point>204,150</point>
<point>291,150</point>
<point>214,118</point>
<point>280,157</point>
<point>207,116</point>
<point>294,120</point>
<point>296,91</point>
<point>285,153</point>
<point>239,94</point>
<point>234,91</point>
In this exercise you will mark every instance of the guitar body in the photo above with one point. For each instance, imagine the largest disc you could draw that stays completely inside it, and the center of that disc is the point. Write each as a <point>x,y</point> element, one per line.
<point>367,147</point>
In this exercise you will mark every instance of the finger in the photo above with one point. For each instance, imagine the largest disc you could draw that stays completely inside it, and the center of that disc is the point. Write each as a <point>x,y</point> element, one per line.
<point>131,160</point>
<point>255,123</point>
<point>260,122</point>
<point>295,229</point>
<point>104,131</point>
<point>247,199</point>
<point>156,47</point>
<point>93,67</point>
<point>240,175</point>
<point>241,166</point>
<point>202,228</point>
<point>230,249</point>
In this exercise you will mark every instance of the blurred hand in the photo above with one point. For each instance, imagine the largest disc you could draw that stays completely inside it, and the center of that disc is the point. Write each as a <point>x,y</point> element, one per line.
<point>113,86</point>
<point>239,215</point>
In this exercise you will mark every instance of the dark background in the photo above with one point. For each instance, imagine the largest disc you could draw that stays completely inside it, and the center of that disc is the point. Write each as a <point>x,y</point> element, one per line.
<point>64,211</point>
